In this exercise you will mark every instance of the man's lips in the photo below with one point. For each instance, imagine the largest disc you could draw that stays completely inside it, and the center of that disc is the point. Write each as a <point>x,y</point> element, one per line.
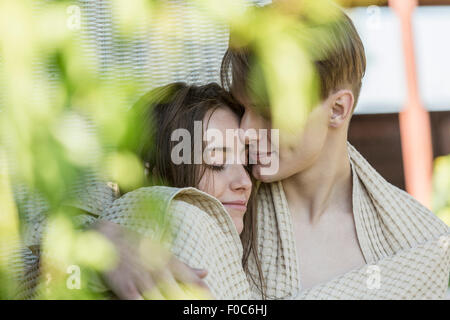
<point>237,205</point>
<point>261,157</point>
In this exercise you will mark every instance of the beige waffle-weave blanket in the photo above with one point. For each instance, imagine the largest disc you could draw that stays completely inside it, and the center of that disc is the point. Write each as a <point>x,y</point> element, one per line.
<point>197,229</point>
<point>194,225</point>
<point>405,246</point>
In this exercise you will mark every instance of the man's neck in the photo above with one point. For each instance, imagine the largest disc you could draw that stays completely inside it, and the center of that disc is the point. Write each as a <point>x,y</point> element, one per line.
<point>324,187</point>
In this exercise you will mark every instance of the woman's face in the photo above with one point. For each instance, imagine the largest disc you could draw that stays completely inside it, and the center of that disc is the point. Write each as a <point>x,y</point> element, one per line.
<point>225,177</point>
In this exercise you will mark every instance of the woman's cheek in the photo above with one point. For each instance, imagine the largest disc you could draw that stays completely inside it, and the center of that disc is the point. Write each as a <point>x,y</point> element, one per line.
<point>219,179</point>
<point>206,183</point>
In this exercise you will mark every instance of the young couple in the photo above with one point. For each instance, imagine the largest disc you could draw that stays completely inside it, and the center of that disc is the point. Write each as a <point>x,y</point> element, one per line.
<point>324,225</point>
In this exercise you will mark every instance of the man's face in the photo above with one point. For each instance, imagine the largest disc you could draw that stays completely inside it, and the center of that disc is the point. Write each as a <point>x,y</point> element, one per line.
<point>299,154</point>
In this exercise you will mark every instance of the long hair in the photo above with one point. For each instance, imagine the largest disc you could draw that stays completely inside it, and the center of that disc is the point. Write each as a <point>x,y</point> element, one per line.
<point>177,106</point>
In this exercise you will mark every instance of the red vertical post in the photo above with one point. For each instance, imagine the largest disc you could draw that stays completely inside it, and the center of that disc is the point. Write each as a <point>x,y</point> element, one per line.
<point>415,130</point>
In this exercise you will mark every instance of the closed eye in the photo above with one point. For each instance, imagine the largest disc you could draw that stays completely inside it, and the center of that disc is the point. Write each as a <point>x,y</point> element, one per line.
<point>216,167</point>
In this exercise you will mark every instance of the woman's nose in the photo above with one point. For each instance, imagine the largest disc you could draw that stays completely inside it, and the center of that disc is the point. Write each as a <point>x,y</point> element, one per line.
<point>240,180</point>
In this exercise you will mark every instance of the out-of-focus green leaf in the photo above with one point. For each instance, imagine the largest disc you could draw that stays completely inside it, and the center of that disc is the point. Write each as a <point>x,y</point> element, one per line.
<point>441,188</point>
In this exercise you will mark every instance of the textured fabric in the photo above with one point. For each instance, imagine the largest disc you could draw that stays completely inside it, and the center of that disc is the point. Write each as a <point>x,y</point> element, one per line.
<point>196,228</point>
<point>400,238</point>
<point>417,273</point>
<point>406,247</point>
<point>276,245</point>
<point>23,267</point>
<point>28,279</point>
<point>405,244</point>
<point>151,56</point>
<point>91,196</point>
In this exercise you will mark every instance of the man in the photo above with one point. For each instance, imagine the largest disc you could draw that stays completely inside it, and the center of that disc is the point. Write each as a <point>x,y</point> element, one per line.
<point>333,221</point>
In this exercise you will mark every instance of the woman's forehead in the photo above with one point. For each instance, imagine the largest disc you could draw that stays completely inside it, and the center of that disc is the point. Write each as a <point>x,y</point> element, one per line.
<point>221,119</point>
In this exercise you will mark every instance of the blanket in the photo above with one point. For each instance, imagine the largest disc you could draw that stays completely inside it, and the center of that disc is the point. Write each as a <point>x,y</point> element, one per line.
<point>405,246</point>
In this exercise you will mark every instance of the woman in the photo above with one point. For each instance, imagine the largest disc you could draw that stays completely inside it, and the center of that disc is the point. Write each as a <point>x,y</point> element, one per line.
<point>174,107</point>
<point>206,222</point>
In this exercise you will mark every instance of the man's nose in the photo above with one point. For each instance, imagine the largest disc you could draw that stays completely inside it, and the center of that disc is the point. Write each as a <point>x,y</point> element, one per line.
<point>246,121</point>
<point>248,127</point>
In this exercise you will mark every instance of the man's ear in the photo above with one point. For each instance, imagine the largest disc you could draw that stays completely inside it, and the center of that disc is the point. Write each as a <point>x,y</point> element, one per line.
<point>341,107</point>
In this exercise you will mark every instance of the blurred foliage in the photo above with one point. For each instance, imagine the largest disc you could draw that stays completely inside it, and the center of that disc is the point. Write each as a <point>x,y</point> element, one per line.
<point>9,229</point>
<point>441,188</point>
<point>51,94</point>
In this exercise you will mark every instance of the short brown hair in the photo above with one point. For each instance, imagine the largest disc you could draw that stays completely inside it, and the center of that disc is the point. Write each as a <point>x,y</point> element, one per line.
<point>339,60</point>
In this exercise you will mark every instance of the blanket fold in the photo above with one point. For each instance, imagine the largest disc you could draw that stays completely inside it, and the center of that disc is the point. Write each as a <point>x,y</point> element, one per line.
<point>406,247</point>
<point>194,226</point>
<point>407,242</point>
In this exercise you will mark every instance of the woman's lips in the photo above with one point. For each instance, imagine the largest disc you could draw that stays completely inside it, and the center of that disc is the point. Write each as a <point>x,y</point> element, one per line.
<point>236,205</point>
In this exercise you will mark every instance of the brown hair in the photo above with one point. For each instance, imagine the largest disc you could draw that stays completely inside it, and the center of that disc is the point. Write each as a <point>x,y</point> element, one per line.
<point>176,106</point>
<point>338,56</point>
